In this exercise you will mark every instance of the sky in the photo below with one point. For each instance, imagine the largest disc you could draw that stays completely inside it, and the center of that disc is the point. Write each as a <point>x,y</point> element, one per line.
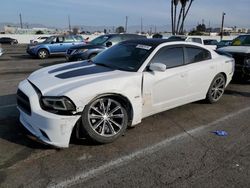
<point>113,12</point>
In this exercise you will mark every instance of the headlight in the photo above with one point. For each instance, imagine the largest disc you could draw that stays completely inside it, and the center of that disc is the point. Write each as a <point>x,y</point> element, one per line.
<point>32,47</point>
<point>80,51</point>
<point>62,104</point>
<point>247,61</point>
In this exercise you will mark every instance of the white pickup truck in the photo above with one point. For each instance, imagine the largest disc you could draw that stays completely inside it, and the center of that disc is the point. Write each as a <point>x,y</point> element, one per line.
<point>211,43</point>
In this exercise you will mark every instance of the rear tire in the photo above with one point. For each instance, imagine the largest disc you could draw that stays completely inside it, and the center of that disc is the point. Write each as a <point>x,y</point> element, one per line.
<point>43,54</point>
<point>104,120</point>
<point>216,89</point>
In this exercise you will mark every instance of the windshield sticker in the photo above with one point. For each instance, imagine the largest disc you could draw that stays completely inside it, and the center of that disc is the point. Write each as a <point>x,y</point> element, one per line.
<point>145,47</point>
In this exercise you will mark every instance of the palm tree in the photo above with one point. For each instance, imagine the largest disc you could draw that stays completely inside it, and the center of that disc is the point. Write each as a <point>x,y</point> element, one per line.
<point>172,15</point>
<point>176,2</point>
<point>185,13</point>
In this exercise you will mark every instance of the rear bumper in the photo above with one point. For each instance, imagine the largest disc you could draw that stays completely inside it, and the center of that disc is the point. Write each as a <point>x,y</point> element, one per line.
<point>49,128</point>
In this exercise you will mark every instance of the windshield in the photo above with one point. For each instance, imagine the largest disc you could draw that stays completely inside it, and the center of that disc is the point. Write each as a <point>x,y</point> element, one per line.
<point>124,56</point>
<point>243,40</point>
<point>99,40</point>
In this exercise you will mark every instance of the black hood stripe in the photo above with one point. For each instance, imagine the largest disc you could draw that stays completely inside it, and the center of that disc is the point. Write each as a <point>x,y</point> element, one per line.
<point>84,71</point>
<point>72,66</point>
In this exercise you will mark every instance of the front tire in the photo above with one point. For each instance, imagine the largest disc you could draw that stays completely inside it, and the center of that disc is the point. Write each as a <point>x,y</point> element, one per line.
<point>216,89</point>
<point>104,120</point>
<point>43,54</point>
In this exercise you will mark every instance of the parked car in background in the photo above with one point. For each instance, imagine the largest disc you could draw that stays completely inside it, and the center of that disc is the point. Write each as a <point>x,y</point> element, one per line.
<point>224,43</point>
<point>38,40</point>
<point>54,45</point>
<point>1,50</point>
<point>118,88</point>
<point>8,40</point>
<point>240,50</point>
<point>207,42</point>
<point>97,45</point>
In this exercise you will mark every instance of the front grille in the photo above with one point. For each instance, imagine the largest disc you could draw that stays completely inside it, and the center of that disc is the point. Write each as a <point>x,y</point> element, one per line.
<point>23,102</point>
<point>239,58</point>
<point>69,51</point>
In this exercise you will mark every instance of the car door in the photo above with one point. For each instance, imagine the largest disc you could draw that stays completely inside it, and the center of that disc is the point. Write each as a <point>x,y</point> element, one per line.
<point>201,70</point>
<point>57,46</point>
<point>68,42</point>
<point>168,89</point>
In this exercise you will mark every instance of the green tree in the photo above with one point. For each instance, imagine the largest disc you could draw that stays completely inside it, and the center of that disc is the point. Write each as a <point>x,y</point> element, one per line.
<point>120,29</point>
<point>39,32</point>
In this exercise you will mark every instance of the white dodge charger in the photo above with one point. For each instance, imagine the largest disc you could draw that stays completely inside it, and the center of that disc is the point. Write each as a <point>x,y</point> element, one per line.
<point>101,97</point>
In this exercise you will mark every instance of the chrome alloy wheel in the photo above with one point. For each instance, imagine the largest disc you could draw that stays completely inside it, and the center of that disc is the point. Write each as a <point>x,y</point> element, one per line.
<point>218,88</point>
<point>42,54</point>
<point>106,117</point>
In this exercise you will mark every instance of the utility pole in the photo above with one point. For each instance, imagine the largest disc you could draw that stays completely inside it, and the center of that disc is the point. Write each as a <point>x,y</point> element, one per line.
<point>69,23</point>
<point>222,25</point>
<point>126,24</point>
<point>21,21</point>
<point>141,25</point>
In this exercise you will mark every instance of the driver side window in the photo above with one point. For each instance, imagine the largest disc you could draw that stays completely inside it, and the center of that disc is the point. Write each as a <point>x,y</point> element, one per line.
<point>171,57</point>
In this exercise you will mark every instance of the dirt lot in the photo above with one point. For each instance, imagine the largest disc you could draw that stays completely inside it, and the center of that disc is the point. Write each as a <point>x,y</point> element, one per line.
<point>175,148</point>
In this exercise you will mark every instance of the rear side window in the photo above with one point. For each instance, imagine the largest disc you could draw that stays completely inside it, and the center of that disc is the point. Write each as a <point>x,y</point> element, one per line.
<point>78,38</point>
<point>116,39</point>
<point>194,55</point>
<point>68,39</point>
<point>197,40</point>
<point>171,57</point>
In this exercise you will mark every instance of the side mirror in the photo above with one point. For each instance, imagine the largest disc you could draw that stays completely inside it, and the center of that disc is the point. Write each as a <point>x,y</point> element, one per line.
<point>159,67</point>
<point>108,44</point>
<point>52,42</point>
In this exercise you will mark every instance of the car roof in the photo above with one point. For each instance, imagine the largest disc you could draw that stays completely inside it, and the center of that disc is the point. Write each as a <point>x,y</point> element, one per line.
<point>150,42</point>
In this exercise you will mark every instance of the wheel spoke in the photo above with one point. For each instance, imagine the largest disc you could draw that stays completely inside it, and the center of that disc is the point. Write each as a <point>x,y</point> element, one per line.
<point>103,128</point>
<point>114,110</point>
<point>111,128</point>
<point>108,106</point>
<point>95,116</point>
<point>102,107</point>
<point>116,124</point>
<point>98,124</point>
<point>95,109</point>
<point>117,116</point>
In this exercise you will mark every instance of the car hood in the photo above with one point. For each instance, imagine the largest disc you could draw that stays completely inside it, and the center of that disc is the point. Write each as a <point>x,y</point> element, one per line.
<point>235,49</point>
<point>60,79</point>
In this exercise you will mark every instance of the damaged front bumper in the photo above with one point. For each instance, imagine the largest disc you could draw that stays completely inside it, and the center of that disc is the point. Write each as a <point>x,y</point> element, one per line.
<point>49,128</point>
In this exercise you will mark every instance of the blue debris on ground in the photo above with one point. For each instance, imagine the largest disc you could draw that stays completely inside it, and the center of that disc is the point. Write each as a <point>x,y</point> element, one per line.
<point>220,133</point>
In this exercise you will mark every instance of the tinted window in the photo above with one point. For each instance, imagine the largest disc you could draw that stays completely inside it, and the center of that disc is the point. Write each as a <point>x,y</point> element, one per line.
<point>196,54</point>
<point>171,57</point>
